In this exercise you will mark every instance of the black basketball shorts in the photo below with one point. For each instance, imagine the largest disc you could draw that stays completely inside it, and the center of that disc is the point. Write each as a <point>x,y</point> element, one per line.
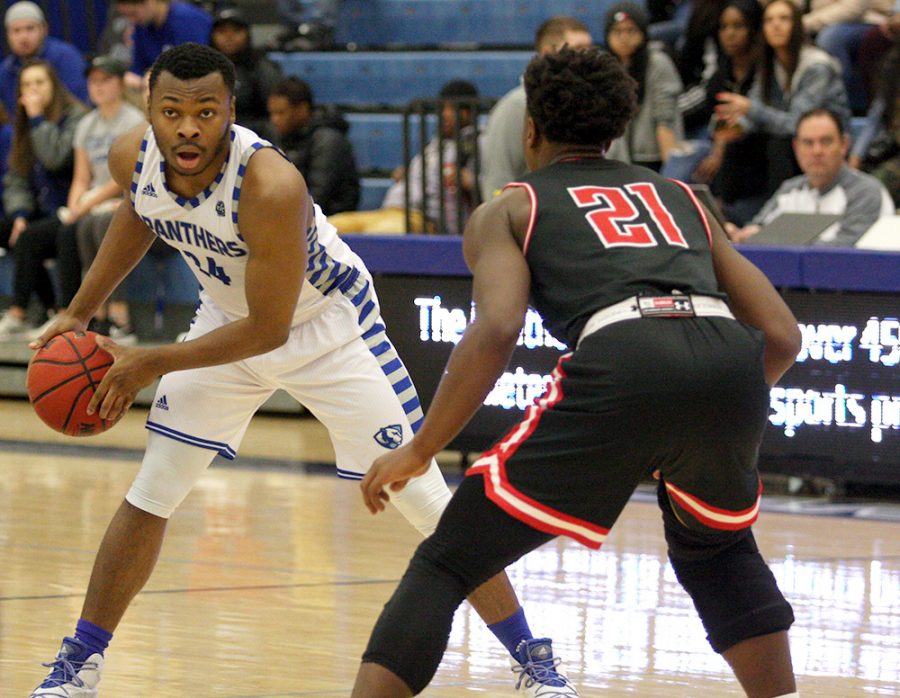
<point>685,396</point>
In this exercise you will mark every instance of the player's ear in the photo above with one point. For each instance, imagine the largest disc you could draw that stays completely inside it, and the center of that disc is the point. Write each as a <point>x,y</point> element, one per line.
<point>531,136</point>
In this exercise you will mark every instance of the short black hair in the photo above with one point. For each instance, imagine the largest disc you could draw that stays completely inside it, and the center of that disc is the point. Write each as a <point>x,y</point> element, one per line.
<point>458,89</point>
<point>294,90</point>
<point>579,97</point>
<point>821,111</point>
<point>193,61</point>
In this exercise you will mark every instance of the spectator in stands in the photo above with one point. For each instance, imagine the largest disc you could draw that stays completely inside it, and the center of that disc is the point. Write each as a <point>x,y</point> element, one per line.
<point>503,157</point>
<point>27,38</point>
<point>724,158</point>
<point>697,59</point>
<point>309,24</point>
<point>158,25</point>
<point>827,185</point>
<point>838,27</point>
<point>657,126</point>
<point>875,44</point>
<point>6,132</point>
<point>35,187</point>
<point>94,196</point>
<point>115,39</point>
<point>456,184</point>
<point>256,74</point>
<point>315,140</point>
<point>877,150</point>
<point>793,78</point>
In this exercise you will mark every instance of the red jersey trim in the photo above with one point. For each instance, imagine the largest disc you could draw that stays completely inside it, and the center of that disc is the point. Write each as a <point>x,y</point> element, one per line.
<point>533,196</point>
<point>715,517</point>
<point>699,208</point>
<point>492,465</point>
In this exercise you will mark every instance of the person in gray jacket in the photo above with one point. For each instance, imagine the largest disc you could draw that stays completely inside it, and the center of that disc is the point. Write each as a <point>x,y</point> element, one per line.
<point>657,126</point>
<point>827,185</point>
<point>35,186</point>
<point>792,79</point>
<point>503,159</point>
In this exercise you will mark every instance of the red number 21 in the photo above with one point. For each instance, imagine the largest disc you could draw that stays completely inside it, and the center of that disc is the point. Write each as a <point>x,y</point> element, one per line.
<point>614,215</point>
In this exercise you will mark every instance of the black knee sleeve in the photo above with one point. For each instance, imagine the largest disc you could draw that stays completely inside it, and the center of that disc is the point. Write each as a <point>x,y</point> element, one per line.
<point>411,634</point>
<point>732,588</point>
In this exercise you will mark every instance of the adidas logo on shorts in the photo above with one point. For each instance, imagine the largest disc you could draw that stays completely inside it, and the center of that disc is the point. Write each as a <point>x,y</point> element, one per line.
<point>162,404</point>
<point>149,190</point>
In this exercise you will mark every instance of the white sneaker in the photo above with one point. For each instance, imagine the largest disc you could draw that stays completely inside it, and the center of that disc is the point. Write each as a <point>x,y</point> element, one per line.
<point>73,673</point>
<point>12,327</point>
<point>537,671</point>
<point>122,334</point>
<point>35,332</point>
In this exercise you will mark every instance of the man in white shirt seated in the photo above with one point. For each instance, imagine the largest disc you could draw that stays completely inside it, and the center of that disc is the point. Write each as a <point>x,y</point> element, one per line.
<point>827,185</point>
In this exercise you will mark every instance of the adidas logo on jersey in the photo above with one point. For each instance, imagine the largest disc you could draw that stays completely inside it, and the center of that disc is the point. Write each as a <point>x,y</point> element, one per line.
<point>162,404</point>
<point>149,190</point>
<point>220,208</point>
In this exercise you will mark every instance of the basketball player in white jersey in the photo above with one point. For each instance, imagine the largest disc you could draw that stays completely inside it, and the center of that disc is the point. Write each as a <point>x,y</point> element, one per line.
<point>241,216</point>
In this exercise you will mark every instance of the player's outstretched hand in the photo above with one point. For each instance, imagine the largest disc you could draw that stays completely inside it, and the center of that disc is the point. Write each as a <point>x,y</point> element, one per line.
<point>131,371</point>
<point>62,322</point>
<point>391,470</point>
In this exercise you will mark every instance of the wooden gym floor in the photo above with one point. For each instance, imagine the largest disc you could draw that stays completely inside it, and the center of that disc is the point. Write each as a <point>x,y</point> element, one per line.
<point>273,573</point>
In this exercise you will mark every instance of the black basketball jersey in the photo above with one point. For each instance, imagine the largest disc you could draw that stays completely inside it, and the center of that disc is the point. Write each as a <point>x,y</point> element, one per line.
<point>602,231</point>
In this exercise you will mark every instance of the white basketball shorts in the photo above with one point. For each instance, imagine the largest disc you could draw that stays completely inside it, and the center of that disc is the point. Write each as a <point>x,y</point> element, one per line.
<point>354,383</point>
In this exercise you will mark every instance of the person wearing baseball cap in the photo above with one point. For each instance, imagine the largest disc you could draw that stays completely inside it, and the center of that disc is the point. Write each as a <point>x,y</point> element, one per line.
<point>93,194</point>
<point>27,37</point>
<point>657,125</point>
<point>256,74</point>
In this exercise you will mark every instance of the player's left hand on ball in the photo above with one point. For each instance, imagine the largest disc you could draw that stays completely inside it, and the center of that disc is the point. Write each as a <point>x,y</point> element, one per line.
<point>130,372</point>
<point>62,322</point>
<point>391,470</point>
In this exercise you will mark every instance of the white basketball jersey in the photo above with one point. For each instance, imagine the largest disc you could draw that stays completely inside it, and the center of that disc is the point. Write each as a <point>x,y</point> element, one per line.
<point>205,231</point>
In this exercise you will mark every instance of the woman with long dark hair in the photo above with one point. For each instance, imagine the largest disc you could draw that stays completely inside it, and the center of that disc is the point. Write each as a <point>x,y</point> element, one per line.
<point>738,38</point>
<point>793,78</point>
<point>657,126</point>
<point>36,185</point>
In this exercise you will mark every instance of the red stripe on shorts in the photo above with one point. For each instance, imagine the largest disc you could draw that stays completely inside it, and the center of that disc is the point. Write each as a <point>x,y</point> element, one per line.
<point>492,465</point>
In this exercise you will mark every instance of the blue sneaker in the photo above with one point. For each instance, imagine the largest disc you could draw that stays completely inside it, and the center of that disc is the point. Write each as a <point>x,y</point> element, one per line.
<point>73,674</point>
<point>536,668</point>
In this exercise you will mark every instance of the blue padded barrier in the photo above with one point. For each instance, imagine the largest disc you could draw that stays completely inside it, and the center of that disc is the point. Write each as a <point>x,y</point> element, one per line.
<point>397,77</point>
<point>786,267</point>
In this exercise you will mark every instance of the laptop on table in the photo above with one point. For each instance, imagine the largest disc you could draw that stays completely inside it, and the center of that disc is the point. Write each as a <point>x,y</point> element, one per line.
<point>795,229</point>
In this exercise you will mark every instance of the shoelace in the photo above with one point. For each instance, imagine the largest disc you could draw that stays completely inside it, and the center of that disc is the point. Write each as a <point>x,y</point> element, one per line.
<point>534,672</point>
<point>65,671</point>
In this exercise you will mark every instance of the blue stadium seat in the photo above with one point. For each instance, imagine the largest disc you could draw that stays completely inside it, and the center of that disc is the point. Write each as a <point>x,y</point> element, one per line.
<point>378,139</point>
<point>396,77</point>
<point>372,191</point>
<point>437,22</point>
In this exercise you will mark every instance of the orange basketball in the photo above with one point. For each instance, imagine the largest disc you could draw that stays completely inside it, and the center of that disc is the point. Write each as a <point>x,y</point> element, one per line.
<point>62,378</point>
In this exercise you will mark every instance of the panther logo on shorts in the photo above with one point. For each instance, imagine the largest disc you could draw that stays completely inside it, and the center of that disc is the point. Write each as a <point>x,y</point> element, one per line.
<point>390,436</point>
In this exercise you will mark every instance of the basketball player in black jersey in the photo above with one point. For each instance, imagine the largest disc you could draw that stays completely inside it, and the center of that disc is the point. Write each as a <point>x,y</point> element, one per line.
<point>664,375</point>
